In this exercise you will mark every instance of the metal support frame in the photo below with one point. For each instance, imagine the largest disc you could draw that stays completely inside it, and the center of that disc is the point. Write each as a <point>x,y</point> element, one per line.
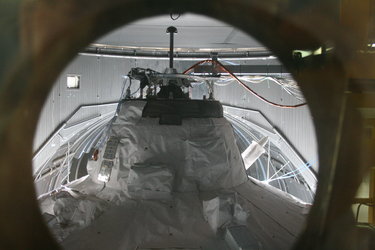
<point>171,30</point>
<point>371,211</point>
<point>244,69</point>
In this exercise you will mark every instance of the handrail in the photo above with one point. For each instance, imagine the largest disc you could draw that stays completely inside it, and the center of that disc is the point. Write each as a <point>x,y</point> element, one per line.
<point>66,121</point>
<point>274,134</point>
<point>66,125</point>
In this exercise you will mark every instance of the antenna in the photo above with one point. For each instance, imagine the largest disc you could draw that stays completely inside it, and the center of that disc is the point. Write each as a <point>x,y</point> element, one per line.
<point>171,30</point>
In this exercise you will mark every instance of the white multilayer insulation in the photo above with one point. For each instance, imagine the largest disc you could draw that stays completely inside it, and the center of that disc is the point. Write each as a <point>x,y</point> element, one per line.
<point>223,211</point>
<point>253,152</point>
<point>150,182</point>
<point>166,186</point>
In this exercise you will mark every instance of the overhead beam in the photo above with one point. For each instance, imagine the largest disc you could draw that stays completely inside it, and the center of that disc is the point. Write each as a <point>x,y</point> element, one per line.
<point>179,53</point>
<point>244,69</point>
<point>371,211</point>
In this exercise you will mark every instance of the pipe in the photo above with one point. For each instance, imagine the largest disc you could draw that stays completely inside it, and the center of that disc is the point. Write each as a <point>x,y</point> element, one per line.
<point>171,30</point>
<point>95,51</point>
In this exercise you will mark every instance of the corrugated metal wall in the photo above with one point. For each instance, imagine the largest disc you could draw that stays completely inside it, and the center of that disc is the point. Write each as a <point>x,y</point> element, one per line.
<point>102,79</point>
<point>295,124</point>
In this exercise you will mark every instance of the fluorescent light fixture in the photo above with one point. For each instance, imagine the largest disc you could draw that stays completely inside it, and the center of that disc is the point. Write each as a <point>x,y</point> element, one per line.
<point>73,81</point>
<point>105,171</point>
<point>318,51</point>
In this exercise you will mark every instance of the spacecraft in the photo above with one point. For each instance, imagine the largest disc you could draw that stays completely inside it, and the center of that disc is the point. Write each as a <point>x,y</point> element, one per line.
<point>166,173</point>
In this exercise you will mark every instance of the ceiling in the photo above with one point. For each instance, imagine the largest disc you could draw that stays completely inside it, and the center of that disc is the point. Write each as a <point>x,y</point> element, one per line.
<point>194,31</point>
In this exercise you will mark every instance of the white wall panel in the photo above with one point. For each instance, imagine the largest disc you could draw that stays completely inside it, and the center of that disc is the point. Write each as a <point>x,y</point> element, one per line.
<point>102,79</point>
<point>296,123</point>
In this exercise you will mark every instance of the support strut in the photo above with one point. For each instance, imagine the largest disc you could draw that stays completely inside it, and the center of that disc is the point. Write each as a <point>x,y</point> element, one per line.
<point>171,30</point>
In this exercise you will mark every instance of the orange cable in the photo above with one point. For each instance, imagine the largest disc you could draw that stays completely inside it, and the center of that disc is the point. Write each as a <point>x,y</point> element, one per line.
<point>244,85</point>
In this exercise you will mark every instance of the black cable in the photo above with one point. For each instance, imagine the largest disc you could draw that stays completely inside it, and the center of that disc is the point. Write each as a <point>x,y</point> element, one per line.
<point>101,189</point>
<point>359,207</point>
<point>357,215</point>
<point>123,88</point>
<point>243,84</point>
<point>135,91</point>
<point>175,18</point>
<point>128,89</point>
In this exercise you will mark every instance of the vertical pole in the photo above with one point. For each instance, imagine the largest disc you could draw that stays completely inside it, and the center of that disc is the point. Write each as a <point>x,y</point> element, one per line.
<point>371,210</point>
<point>171,30</point>
<point>171,50</point>
<point>269,159</point>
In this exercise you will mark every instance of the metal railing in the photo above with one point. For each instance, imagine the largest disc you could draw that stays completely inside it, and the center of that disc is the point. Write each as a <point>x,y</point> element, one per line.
<point>52,162</point>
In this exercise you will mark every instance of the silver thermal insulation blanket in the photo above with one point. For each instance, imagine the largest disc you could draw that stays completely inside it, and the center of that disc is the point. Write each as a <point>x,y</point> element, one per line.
<point>201,154</point>
<point>150,182</point>
<point>168,186</point>
<point>223,211</point>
